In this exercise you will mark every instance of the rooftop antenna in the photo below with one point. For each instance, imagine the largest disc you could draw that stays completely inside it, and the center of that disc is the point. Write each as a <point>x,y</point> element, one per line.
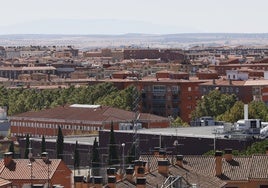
<point>135,109</point>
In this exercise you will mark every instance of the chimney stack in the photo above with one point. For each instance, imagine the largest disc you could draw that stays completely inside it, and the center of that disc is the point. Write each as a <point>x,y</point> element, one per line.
<point>129,174</point>
<point>163,166</point>
<point>162,153</point>
<point>156,151</point>
<point>111,171</point>
<point>98,181</point>
<point>8,158</point>
<point>44,156</point>
<point>139,168</point>
<point>218,163</point>
<point>111,181</point>
<point>228,154</point>
<point>141,182</point>
<point>245,111</point>
<point>179,160</point>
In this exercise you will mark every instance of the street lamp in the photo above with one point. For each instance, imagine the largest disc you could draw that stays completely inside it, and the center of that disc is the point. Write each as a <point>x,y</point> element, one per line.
<point>123,157</point>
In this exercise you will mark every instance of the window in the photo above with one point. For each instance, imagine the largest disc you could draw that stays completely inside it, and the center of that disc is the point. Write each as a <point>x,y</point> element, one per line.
<point>189,89</point>
<point>159,88</point>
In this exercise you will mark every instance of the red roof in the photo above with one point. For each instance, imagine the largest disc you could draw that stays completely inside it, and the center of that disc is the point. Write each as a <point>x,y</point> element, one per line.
<point>21,169</point>
<point>97,114</point>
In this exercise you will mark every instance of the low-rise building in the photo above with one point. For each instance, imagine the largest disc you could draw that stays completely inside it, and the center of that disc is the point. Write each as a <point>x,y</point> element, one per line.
<point>79,119</point>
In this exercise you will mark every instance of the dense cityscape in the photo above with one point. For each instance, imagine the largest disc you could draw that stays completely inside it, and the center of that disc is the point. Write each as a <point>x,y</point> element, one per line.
<point>139,94</point>
<point>132,95</point>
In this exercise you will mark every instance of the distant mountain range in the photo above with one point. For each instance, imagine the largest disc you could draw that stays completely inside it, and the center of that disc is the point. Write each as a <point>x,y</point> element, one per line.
<point>137,40</point>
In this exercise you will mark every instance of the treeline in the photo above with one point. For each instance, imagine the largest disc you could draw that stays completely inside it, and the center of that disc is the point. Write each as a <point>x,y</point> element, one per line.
<point>255,148</point>
<point>23,100</point>
<point>225,107</point>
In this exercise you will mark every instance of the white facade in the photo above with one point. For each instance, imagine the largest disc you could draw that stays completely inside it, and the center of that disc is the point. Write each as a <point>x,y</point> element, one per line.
<point>266,75</point>
<point>26,54</point>
<point>236,75</point>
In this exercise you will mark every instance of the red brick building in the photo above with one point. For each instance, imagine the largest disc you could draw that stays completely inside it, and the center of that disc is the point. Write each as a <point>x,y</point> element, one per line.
<point>221,69</point>
<point>170,97</point>
<point>239,88</point>
<point>79,119</point>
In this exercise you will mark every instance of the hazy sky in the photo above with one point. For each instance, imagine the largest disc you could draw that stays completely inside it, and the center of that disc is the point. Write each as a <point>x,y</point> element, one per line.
<point>244,16</point>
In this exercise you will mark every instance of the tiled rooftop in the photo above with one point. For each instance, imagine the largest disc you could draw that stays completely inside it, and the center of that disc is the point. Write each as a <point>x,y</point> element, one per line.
<point>102,113</point>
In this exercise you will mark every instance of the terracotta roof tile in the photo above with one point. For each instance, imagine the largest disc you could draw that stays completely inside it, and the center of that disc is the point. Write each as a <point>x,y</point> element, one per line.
<point>189,175</point>
<point>102,113</point>
<point>259,167</point>
<point>21,169</point>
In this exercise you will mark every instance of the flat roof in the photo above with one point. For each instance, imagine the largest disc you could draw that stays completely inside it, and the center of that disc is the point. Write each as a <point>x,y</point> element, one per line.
<point>199,132</point>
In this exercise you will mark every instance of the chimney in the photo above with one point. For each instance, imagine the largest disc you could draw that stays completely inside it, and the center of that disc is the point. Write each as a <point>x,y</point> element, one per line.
<point>139,168</point>
<point>111,171</point>
<point>228,154</point>
<point>218,163</point>
<point>141,182</point>
<point>98,181</point>
<point>8,158</point>
<point>78,181</point>
<point>111,181</point>
<point>44,156</point>
<point>245,111</point>
<point>156,151</point>
<point>266,148</point>
<point>230,82</point>
<point>129,174</point>
<point>163,166</point>
<point>213,82</point>
<point>179,160</point>
<point>162,153</point>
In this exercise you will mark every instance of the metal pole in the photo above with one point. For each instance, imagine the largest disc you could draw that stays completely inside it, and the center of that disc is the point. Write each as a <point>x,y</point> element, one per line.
<point>123,157</point>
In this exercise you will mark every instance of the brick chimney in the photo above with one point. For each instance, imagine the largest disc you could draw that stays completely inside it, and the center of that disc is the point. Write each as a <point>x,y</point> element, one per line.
<point>111,181</point>
<point>179,160</point>
<point>141,182</point>
<point>163,166</point>
<point>44,156</point>
<point>228,154</point>
<point>111,171</point>
<point>97,181</point>
<point>162,153</point>
<point>8,158</point>
<point>129,174</point>
<point>218,163</point>
<point>156,151</point>
<point>139,168</point>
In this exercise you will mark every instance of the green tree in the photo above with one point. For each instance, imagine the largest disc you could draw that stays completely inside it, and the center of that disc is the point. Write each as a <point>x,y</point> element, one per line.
<point>234,114</point>
<point>60,144</point>
<point>113,154</point>
<point>131,154</point>
<point>213,104</point>
<point>43,144</point>
<point>257,110</point>
<point>11,148</point>
<point>76,156</point>
<point>178,123</point>
<point>27,147</point>
<point>95,156</point>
